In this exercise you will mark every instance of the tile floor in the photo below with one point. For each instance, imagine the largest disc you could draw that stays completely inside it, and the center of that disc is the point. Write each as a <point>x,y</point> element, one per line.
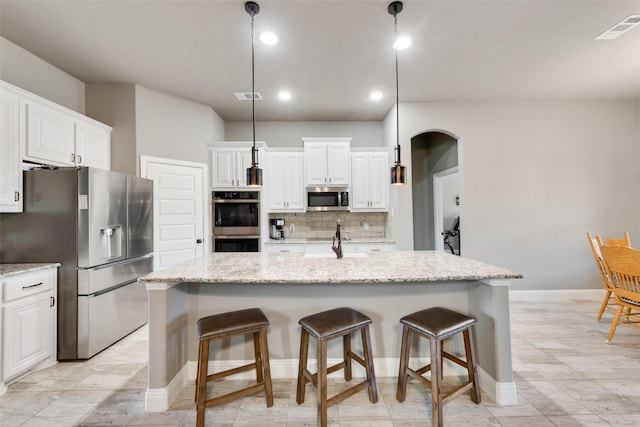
<point>565,374</point>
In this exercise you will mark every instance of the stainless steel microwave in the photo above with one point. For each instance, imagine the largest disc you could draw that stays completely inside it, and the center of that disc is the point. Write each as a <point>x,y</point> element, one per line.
<point>324,199</point>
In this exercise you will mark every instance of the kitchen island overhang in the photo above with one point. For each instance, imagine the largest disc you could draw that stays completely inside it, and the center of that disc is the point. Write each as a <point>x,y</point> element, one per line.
<point>386,286</point>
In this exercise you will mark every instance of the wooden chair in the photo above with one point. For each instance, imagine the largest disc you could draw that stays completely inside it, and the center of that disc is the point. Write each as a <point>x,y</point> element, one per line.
<point>595,244</point>
<point>623,266</point>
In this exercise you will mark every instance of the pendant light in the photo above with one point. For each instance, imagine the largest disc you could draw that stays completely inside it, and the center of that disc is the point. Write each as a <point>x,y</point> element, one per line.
<point>254,173</point>
<point>398,171</point>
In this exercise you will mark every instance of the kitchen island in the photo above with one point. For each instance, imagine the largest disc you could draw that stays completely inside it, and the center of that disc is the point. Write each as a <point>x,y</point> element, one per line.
<point>288,286</point>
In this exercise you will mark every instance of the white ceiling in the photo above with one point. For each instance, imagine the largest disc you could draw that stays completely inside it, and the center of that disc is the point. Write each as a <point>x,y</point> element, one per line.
<point>333,53</point>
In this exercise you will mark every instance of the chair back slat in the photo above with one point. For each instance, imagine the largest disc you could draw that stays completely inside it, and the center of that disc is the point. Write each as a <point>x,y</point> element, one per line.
<point>623,265</point>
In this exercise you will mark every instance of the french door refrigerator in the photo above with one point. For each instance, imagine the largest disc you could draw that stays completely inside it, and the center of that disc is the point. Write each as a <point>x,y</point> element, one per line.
<point>99,225</point>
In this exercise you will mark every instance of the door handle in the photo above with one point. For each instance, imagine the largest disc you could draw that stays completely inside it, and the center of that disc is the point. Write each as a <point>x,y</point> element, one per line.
<point>198,241</point>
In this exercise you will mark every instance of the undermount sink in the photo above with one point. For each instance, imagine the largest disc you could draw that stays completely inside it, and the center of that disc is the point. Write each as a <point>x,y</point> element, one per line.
<point>354,255</point>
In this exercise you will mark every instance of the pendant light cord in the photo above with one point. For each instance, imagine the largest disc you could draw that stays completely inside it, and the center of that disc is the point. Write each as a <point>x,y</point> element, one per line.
<point>253,96</point>
<point>395,35</point>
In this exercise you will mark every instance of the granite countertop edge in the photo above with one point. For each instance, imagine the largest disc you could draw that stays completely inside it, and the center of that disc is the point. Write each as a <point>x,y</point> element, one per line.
<point>292,268</point>
<point>8,270</point>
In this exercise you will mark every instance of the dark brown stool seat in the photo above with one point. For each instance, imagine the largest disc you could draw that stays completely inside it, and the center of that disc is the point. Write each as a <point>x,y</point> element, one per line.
<point>437,324</point>
<point>226,325</point>
<point>324,326</point>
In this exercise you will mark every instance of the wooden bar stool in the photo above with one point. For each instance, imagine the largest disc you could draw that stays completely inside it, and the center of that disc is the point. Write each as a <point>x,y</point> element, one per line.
<point>324,326</point>
<point>226,325</point>
<point>437,324</point>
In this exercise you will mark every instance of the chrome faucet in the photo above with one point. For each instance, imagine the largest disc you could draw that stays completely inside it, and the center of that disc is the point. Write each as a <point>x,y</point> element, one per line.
<point>337,249</point>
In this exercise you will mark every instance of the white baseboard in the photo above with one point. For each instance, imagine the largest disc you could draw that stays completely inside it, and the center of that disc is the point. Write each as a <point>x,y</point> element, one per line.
<point>159,399</point>
<point>555,295</point>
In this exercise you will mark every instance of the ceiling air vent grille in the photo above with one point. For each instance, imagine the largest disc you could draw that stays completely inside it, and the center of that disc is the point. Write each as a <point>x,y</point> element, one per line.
<point>620,28</point>
<point>247,96</point>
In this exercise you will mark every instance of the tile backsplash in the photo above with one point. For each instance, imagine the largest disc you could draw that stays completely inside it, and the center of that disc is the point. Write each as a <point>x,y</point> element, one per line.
<point>355,225</point>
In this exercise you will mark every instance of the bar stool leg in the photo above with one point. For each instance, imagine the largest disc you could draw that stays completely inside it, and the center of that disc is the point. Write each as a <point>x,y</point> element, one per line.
<point>302,365</point>
<point>368,359</point>
<point>257,358</point>
<point>471,365</point>
<point>322,383</point>
<point>201,385</point>
<point>405,348</point>
<point>346,350</point>
<point>436,382</point>
<point>265,366</point>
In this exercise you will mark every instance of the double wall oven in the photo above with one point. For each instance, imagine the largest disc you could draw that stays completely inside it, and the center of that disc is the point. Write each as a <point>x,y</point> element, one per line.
<point>236,221</point>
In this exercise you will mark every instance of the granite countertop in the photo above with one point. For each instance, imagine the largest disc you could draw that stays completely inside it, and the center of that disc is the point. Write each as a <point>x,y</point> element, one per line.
<point>7,270</point>
<point>383,267</point>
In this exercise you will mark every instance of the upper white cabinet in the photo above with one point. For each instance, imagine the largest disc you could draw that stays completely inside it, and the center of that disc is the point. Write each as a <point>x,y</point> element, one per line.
<point>229,163</point>
<point>285,181</point>
<point>326,161</point>
<point>55,135</point>
<point>48,133</point>
<point>93,145</point>
<point>370,181</point>
<point>10,171</point>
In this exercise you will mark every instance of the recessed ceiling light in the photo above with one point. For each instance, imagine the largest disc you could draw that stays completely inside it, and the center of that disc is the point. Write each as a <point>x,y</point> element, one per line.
<point>284,95</point>
<point>269,38</point>
<point>402,43</point>
<point>620,28</point>
<point>375,95</point>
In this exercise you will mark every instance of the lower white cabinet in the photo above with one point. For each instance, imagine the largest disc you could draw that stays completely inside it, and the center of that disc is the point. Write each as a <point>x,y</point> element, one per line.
<point>348,247</point>
<point>28,322</point>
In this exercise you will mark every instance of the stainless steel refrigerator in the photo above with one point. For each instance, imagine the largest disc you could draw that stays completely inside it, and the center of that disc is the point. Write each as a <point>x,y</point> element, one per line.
<point>99,225</point>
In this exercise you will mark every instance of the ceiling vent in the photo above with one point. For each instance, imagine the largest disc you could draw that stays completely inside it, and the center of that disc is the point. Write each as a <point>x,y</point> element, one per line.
<point>620,28</point>
<point>247,96</point>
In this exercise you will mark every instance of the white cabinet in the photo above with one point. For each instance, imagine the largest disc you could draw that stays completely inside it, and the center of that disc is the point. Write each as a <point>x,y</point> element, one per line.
<point>229,164</point>
<point>375,247</point>
<point>370,181</point>
<point>326,161</point>
<point>284,181</point>
<point>10,171</point>
<point>49,134</point>
<point>28,322</point>
<point>55,135</point>
<point>93,145</point>
<point>284,248</point>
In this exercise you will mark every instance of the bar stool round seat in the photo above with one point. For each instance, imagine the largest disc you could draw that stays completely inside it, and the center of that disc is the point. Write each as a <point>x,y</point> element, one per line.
<point>324,326</point>
<point>437,324</point>
<point>225,325</point>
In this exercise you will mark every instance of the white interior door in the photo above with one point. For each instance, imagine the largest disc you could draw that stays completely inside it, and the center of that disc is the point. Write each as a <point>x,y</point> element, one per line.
<point>179,210</point>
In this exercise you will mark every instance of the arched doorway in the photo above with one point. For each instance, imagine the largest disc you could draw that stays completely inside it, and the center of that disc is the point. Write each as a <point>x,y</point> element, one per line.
<point>434,159</point>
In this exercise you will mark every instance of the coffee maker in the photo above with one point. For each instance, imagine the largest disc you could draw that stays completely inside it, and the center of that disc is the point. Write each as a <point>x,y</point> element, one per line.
<point>277,228</point>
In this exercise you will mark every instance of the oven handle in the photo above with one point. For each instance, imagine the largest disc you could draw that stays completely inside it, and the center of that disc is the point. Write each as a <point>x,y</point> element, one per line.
<point>247,236</point>
<point>236,201</point>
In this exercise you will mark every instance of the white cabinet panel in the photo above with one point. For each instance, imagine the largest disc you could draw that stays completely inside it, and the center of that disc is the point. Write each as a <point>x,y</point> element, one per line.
<point>28,321</point>
<point>285,174</point>
<point>50,134</point>
<point>370,181</point>
<point>93,146</point>
<point>10,171</point>
<point>229,166</point>
<point>326,163</point>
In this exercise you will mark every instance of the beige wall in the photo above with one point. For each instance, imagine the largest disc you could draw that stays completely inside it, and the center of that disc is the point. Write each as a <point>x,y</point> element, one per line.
<point>114,104</point>
<point>289,134</point>
<point>174,128</point>
<point>25,70</point>
<point>535,178</point>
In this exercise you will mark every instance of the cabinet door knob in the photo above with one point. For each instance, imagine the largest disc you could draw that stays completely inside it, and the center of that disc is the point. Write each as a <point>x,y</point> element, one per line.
<point>16,196</point>
<point>52,301</point>
<point>198,241</point>
<point>79,159</point>
<point>73,158</point>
